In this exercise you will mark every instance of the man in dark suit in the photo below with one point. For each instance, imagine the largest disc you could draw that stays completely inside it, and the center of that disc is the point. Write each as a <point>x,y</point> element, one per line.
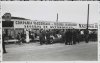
<point>86,35</point>
<point>74,35</point>
<point>48,37</point>
<point>23,37</point>
<point>3,43</point>
<point>68,37</point>
<point>42,37</point>
<point>78,36</point>
<point>19,39</point>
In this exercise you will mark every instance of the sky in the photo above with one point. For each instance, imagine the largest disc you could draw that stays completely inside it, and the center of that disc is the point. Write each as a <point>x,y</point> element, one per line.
<point>75,12</point>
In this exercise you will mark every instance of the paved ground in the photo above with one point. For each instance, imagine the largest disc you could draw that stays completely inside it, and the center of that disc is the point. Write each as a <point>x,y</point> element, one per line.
<point>54,52</point>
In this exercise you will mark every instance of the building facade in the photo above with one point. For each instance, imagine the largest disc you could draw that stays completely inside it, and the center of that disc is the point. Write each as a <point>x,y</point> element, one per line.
<point>14,25</point>
<point>50,0</point>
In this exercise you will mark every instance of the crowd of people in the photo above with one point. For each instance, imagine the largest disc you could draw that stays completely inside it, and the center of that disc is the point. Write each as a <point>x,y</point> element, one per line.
<point>68,36</point>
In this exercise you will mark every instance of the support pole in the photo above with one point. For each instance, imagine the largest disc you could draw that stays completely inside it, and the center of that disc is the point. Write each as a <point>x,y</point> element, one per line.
<point>57,20</point>
<point>88,17</point>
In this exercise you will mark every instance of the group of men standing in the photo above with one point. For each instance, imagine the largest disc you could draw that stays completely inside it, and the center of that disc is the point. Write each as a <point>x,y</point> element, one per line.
<point>69,36</point>
<point>44,37</point>
<point>72,37</point>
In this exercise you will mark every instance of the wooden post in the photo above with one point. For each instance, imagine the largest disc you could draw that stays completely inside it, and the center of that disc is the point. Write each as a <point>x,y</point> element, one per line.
<point>88,17</point>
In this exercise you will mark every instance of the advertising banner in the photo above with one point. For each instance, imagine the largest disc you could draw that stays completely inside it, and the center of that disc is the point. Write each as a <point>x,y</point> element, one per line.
<point>28,24</point>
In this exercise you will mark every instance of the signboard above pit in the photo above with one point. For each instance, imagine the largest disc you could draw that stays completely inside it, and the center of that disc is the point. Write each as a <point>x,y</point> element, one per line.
<point>28,24</point>
<point>91,26</point>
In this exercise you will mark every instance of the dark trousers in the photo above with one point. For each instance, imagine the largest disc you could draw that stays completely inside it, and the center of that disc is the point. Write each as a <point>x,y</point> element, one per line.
<point>42,41</point>
<point>74,40</point>
<point>3,46</point>
<point>19,41</point>
<point>48,40</point>
<point>68,41</point>
<point>86,38</point>
<point>77,40</point>
<point>63,39</point>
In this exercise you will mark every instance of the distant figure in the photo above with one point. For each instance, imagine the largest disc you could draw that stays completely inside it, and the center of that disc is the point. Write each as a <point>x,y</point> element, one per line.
<point>27,37</point>
<point>78,36</point>
<point>33,36</point>
<point>68,37</point>
<point>3,43</point>
<point>19,38</point>
<point>63,36</point>
<point>47,37</point>
<point>86,35</point>
<point>23,37</point>
<point>74,36</point>
<point>41,37</point>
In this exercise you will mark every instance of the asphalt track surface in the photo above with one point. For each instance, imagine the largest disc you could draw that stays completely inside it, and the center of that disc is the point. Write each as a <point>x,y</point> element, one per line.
<point>53,52</point>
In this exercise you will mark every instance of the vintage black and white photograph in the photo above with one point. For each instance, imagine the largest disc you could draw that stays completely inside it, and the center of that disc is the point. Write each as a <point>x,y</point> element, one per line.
<point>49,0</point>
<point>50,31</point>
